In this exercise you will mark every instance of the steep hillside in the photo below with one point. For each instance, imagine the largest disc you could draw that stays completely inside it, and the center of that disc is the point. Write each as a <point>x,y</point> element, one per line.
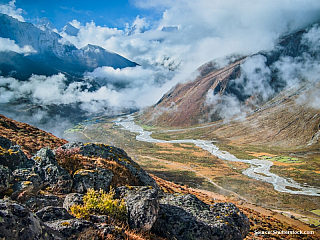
<point>185,104</point>
<point>286,121</point>
<point>31,139</point>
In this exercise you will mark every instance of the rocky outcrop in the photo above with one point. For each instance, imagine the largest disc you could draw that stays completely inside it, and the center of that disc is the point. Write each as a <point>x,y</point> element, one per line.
<point>17,222</point>
<point>142,206</point>
<point>40,215</point>
<point>53,213</point>
<point>96,178</point>
<point>11,155</point>
<point>35,203</point>
<point>116,154</point>
<point>46,166</point>
<point>70,228</point>
<point>186,217</point>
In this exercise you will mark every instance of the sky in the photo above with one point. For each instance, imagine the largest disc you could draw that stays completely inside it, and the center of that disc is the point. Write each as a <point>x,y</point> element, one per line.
<point>203,30</point>
<point>102,12</point>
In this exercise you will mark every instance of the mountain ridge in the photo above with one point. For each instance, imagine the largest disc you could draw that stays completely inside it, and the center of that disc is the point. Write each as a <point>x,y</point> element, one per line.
<point>54,51</point>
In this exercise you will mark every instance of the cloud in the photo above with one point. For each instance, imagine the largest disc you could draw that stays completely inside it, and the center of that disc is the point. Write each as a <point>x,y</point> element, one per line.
<point>298,76</point>
<point>11,10</point>
<point>206,30</point>
<point>142,88</point>
<point>91,34</point>
<point>9,45</point>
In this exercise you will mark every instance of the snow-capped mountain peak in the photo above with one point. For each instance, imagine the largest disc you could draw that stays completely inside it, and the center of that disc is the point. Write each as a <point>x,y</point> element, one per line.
<point>70,30</point>
<point>45,23</point>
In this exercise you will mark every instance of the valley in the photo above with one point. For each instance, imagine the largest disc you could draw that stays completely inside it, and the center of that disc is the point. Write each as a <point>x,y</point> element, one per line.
<point>191,166</point>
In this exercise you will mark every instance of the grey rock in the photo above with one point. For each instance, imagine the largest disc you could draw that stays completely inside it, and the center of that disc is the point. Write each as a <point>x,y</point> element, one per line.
<point>142,206</point>
<point>47,168</point>
<point>11,156</point>
<point>186,217</point>
<point>5,178</point>
<point>53,213</point>
<point>26,180</point>
<point>18,223</point>
<point>70,228</point>
<point>97,179</point>
<point>118,155</point>
<point>72,199</point>
<point>35,203</point>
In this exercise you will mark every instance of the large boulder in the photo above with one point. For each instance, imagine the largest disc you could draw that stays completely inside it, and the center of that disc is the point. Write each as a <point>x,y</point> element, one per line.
<point>11,156</point>
<point>95,178</point>
<point>35,203</point>
<point>18,223</point>
<point>142,205</point>
<point>71,228</point>
<point>116,154</point>
<point>26,180</point>
<point>185,217</point>
<point>53,213</point>
<point>46,166</point>
<point>72,199</point>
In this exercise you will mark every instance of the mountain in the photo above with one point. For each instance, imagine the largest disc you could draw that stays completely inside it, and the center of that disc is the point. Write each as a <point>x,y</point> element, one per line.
<point>45,23</point>
<point>282,83</point>
<point>53,52</point>
<point>70,30</point>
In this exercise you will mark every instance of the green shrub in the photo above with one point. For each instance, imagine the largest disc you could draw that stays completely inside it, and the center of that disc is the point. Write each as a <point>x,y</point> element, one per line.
<point>99,202</point>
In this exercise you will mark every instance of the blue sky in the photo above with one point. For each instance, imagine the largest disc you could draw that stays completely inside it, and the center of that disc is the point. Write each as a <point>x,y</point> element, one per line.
<point>111,13</point>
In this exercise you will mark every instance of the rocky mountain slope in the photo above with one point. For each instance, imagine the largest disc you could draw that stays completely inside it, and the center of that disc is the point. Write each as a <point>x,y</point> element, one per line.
<point>67,193</point>
<point>49,53</point>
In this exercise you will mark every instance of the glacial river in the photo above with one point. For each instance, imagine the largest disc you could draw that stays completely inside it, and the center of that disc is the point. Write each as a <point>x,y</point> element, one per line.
<point>259,169</point>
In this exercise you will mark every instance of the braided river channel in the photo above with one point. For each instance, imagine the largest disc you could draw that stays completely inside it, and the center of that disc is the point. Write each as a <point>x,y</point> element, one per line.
<point>259,169</point>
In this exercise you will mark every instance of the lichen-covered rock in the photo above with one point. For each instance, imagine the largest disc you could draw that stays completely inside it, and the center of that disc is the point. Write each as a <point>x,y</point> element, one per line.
<point>118,155</point>
<point>26,180</point>
<point>18,223</point>
<point>142,205</point>
<point>185,217</point>
<point>5,178</point>
<point>95,178</point>
<point>53,213</point>
<point>35,203</point>
<point>72,199</point>
<point>47,168</point>
<point>70,228</point>
<point>11,156</point>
